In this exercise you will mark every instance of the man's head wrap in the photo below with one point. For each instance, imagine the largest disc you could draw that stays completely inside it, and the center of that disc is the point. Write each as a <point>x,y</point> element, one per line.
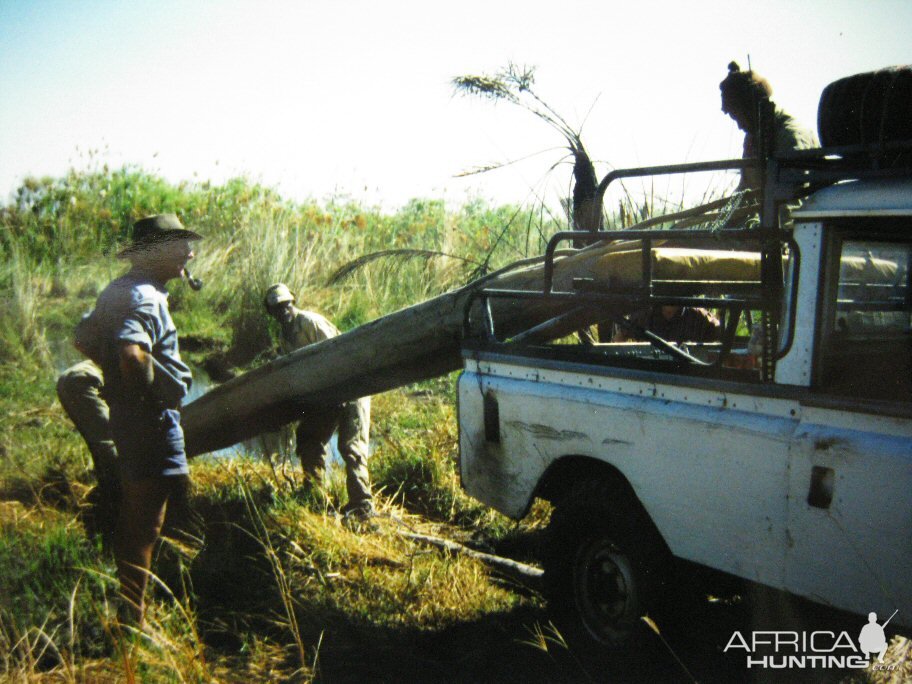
<point>743,87</point>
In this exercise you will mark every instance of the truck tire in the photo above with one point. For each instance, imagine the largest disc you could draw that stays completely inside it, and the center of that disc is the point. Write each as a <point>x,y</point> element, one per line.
<point>872,107</point>
<point>603,566</point>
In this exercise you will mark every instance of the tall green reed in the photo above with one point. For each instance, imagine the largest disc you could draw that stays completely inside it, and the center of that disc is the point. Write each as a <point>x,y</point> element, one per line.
<point>58,228</point>
<point>22,335</point>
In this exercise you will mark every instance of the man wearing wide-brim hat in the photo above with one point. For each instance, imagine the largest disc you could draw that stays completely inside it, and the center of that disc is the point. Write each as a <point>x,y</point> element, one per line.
<point>132,337</point>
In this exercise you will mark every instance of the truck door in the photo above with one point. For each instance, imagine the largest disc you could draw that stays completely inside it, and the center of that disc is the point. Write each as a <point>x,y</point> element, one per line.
<point>850,481</point>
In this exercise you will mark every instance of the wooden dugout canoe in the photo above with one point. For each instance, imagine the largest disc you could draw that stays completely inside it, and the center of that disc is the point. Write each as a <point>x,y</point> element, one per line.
<point>421,342</point>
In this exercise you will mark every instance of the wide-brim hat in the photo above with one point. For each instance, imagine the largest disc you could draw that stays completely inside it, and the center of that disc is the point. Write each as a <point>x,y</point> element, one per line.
<point>156,230</point>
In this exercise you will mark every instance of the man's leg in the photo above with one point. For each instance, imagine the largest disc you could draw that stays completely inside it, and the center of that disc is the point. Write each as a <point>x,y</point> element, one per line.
<point>142,514</point>
<point>78,389</point>
<point>354,435</point>
<point>182,523</point>
<point>312,440</point>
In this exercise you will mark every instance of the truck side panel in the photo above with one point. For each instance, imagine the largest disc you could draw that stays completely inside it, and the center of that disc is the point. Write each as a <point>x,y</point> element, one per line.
<point>850,512</point>
<point>675,445</point>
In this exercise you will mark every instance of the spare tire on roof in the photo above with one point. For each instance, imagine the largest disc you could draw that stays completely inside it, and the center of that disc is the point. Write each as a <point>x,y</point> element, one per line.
<point>873,107</point>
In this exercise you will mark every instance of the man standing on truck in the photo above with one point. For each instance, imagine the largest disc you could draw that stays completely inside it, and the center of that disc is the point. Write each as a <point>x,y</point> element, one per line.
<point>746,99</point>
<point>133,339</point>
<point>299,329</point>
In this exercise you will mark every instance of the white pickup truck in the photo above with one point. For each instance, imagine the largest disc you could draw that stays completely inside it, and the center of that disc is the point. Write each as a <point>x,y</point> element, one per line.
<point>782,457</point>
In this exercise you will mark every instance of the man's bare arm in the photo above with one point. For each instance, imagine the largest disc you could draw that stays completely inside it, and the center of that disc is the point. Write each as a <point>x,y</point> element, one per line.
<point>136,368</point>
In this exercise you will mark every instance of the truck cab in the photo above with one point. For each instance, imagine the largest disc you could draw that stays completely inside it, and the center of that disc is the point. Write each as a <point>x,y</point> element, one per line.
<point>780,452</point>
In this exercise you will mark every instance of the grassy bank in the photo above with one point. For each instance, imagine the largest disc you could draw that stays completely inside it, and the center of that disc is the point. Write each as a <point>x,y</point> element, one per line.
<point>277,588</point>
<point>277,583</point>
<point>274,586</point>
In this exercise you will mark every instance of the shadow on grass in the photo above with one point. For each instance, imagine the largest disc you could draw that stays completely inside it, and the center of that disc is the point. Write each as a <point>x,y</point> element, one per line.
<point>55,488</point>
<point>501,646</point>
<point>237,602</point>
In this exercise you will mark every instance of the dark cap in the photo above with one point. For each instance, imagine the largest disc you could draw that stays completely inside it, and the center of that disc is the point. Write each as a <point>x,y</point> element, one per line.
<point>155,230</point>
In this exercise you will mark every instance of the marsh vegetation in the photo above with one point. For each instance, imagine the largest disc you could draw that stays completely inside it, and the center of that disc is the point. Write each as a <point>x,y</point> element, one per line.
<point>275,588</point>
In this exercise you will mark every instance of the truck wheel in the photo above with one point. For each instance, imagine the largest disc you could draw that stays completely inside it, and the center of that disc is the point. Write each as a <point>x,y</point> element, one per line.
<point>602,564</point>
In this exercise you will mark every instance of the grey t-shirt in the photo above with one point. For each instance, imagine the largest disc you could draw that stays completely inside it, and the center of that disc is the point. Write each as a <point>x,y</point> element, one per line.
<point>133,309</point>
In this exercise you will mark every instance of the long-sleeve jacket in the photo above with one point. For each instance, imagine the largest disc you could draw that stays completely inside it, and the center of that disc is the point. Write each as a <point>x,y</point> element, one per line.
<point>306,327</point>
<point>788,136</point>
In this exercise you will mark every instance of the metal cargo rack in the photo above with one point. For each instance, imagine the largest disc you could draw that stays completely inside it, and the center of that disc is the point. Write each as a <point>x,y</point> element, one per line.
<point>785,179</point>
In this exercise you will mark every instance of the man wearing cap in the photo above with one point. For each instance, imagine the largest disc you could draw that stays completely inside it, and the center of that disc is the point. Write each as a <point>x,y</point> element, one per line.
<point>132,338</point>
<point>746,99</point>
<point>299,329</point>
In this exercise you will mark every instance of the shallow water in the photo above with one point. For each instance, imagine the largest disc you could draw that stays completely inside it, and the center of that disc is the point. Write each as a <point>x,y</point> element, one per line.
<point>280,442</point>
<point>259,447</point>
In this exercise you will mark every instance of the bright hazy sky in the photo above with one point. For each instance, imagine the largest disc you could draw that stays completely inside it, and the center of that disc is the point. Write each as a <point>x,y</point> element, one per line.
<point>320,97</point>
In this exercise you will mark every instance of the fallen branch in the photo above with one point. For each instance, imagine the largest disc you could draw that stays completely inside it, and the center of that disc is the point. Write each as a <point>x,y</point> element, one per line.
<point>527,575</point>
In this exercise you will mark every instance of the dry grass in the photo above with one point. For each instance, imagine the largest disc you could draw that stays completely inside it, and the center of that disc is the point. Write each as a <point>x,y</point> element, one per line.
<point>897,665</point>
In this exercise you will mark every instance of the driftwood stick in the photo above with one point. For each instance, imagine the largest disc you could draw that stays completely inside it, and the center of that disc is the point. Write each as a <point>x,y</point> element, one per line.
<point>527,575</point>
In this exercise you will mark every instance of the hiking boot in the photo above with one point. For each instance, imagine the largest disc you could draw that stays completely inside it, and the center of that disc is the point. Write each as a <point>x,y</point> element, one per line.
<point>363,510</point>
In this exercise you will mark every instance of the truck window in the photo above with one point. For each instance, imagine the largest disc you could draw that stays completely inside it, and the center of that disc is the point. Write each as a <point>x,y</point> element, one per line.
<point>867,346</point>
